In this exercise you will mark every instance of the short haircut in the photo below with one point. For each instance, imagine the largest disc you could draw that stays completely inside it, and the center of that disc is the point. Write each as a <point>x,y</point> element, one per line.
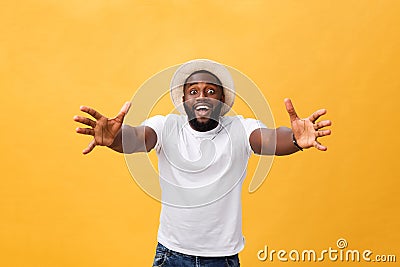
<point>219,84</point>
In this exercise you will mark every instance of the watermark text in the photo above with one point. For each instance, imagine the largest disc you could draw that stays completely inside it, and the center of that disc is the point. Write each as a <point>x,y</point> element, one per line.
<point>339,253</point>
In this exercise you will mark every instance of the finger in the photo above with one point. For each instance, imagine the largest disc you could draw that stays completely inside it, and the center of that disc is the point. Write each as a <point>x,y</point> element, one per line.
<point>318,146</point>
<point>91,112</point>
<point>316,115</point>
<point>322,124</point>
<point>85,121</point>
<point>124,110</point>
<point>90,147</point>
<point>290,109</point>
<point>323,133</point>
<point>86,131</point>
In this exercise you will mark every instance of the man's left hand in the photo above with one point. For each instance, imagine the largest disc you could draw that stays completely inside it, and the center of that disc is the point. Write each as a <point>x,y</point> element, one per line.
<point>307,131</point>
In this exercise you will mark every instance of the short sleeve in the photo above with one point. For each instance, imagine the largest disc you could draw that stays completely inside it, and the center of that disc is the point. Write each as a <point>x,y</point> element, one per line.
<point>250,125</point>
<point>157,124</point>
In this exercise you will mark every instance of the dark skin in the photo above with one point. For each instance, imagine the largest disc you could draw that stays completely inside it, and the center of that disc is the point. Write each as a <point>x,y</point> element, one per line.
<point>203,100</point>
<point>107,131</point>
<point>202,90</point>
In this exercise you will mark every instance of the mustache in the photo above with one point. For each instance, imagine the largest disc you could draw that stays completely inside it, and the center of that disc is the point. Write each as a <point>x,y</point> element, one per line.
<point>207,102</point>
<point>202,102</point>
<point>214,116</point>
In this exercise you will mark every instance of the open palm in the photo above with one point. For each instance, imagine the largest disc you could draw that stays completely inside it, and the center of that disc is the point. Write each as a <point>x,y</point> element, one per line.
<point>306,131</point>
<point>103,130</point>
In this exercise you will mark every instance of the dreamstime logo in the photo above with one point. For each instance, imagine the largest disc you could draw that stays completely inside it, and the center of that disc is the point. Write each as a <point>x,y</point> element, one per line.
<point>341,243</point>
<point>310,255</point>
<point>153,98</point>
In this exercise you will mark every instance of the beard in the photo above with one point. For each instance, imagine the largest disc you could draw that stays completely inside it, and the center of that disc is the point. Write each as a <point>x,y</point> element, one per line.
<point>210,124</point>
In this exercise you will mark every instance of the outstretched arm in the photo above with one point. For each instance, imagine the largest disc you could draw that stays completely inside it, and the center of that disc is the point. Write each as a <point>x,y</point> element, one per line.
<point>108,132</point>
<point>280,141</point>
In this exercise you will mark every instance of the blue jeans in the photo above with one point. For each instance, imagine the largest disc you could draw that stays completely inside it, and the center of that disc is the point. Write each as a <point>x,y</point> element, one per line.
<point>169,258</point>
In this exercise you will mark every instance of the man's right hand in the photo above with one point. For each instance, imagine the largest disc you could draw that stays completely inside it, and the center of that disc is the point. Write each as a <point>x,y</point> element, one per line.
<point>104,130</point>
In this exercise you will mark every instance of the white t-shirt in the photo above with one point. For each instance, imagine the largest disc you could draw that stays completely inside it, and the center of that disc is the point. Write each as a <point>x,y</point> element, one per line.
<point>201,175</point>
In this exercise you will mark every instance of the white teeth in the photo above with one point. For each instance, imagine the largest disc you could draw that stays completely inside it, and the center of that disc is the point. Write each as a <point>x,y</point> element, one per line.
<point>202,107</point>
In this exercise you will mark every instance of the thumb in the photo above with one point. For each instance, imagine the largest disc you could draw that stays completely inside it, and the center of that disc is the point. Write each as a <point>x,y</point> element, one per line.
<point>124,110</point>
<point>290,110</point>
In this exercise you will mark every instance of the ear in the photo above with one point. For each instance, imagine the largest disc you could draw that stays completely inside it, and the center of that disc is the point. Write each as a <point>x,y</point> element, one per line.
<point>183,91</point>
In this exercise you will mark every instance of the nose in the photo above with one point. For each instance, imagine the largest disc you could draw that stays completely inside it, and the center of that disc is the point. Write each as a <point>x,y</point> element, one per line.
<point>203,93</point>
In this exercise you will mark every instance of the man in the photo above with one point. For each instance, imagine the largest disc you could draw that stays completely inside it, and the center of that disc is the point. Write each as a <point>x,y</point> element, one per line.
<point>203,157</point>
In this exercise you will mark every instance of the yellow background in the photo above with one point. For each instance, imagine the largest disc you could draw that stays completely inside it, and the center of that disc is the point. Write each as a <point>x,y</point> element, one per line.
<point>60,208</point>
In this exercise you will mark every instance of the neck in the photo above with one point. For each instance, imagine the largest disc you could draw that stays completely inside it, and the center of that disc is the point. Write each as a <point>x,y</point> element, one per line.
<point>203,126</point>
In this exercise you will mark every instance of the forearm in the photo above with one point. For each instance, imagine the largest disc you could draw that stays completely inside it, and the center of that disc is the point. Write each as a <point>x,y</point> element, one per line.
<point>284,142</point>
<point>129,140</point>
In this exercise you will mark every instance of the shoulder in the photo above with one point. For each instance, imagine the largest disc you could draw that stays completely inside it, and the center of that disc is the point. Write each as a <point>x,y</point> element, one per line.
<point>154,119</point>
<point>240,124</point>
<point>162,118</point>
<point>158,122</point>
<point>245,122</point>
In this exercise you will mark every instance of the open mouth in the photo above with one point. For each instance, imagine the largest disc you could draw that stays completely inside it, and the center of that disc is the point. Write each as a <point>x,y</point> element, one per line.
<point>202,110</point>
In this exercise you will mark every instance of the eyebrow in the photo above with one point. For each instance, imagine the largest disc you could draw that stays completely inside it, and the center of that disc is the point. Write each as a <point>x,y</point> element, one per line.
<point>193,83</point>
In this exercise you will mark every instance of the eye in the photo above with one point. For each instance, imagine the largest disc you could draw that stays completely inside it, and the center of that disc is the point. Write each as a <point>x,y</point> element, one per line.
<point>210,91</point>
<point>193,92</point>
